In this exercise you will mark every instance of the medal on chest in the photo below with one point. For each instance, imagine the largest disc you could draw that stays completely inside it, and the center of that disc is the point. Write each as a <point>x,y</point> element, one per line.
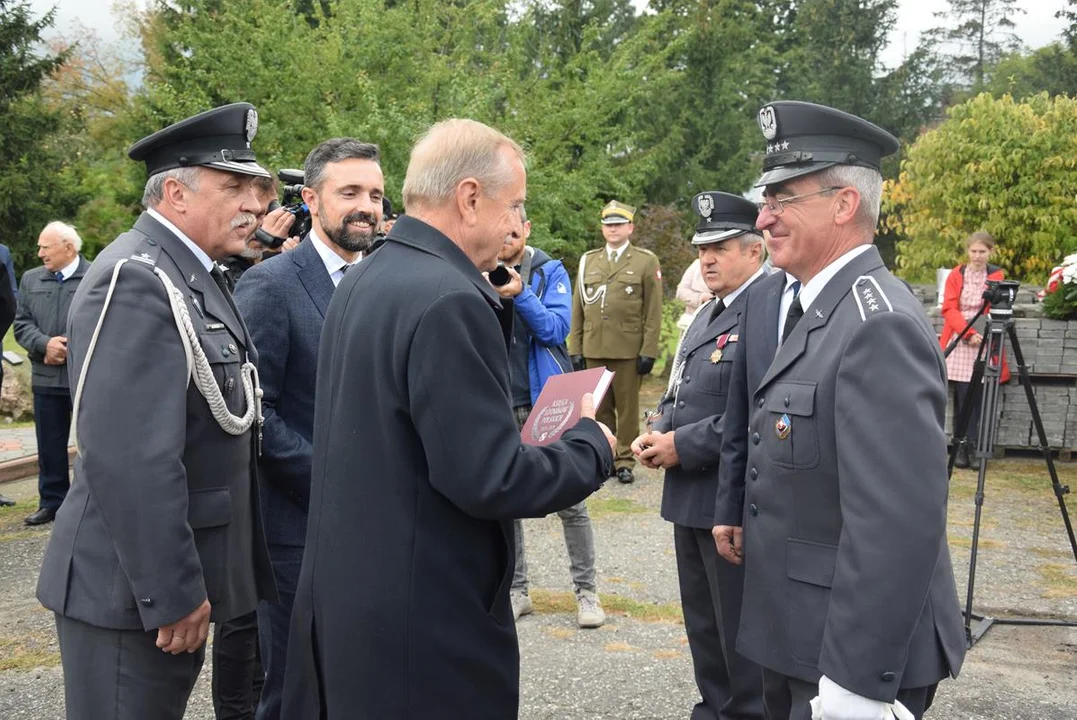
<point>719,346</point>
<point>783,427</point>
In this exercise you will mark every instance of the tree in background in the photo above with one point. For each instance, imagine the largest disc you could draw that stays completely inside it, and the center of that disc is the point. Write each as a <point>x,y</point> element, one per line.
<point>1051,69</point>
<point>977,35</point>
<point>35,166</point>
<point>996,165</point>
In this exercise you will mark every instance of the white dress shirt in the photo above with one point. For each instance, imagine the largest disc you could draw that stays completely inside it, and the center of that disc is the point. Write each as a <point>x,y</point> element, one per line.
<point>814,287</point>
<point>70,269</point>
<point>198,252</point>
<point>335,265</point>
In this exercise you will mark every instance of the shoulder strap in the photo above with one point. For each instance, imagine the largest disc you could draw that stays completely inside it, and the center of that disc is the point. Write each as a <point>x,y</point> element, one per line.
<point>525,266</point>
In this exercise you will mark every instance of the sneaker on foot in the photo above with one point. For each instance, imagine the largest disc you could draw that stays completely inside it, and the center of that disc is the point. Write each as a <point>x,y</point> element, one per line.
<point>589,612</point>
<point>521,604</point>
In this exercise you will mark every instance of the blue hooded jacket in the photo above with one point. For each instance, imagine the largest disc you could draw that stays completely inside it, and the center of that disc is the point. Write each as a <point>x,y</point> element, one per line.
<point>545,306</point>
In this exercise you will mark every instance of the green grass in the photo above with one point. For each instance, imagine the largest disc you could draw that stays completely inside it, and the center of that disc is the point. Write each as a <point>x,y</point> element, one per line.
<point>1060,579</point>
<point>551,601</point>
<point>28,653</point>
<point>606,506</point>
<point>1015,476</point>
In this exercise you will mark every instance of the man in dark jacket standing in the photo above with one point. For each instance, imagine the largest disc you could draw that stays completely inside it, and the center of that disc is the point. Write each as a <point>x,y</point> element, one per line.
<point>402,609</point>
<point>41,328</point>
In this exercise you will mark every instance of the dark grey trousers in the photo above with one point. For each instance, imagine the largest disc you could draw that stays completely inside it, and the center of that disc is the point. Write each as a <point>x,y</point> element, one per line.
<point>788,698</point>
<point>122,675</point>
<point>730,685</point>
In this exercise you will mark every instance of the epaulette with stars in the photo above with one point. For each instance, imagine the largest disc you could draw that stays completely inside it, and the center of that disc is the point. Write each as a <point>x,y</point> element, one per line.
<point>870,298</point>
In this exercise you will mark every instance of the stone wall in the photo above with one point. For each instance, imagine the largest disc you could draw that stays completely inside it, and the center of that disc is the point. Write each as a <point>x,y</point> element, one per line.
<point>1049,348</point>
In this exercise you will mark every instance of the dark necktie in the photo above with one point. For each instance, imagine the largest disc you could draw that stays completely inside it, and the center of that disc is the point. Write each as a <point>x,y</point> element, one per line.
<point>345,268</point>
<point>59,277</point>
<point>719,308</point>
<point>226,289</point>
<point>796,311</point>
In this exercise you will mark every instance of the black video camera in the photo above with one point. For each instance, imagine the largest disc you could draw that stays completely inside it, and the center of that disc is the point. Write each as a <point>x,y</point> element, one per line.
<point>293,203</point>
<point>1001,294</point>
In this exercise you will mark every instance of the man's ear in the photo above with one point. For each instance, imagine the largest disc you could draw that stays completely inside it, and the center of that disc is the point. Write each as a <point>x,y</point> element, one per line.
<point>467,200</point>
<point>176,194</point>
<point>310,197</point>
<point>847,206</point>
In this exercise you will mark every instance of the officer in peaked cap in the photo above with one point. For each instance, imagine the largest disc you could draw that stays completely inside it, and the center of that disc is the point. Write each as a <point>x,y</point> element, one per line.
<point>849,592</point>
<point>804,138</point>
<point>616,321</point>
<point>219,138</point>
<point>161,532</point>
<point>686,440</point>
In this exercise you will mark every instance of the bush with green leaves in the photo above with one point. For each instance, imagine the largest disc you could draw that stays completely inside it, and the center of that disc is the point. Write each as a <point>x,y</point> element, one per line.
<point>1006,167</point>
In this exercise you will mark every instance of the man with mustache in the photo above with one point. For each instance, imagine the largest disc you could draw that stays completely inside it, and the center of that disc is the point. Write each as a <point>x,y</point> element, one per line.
<point>160,533</point>
<point>284,300</point>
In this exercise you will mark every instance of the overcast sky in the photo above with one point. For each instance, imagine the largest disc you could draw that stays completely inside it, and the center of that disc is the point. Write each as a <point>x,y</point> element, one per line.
<point>1036,28</point>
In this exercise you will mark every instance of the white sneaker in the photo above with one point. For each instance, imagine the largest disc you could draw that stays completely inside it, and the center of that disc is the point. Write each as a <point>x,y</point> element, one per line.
<point>521,604</point>
<point>589,612</point>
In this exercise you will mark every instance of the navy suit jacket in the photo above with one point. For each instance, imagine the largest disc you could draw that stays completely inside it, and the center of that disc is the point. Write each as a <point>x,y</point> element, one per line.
<point>755,352</point>
<point>284,300</point>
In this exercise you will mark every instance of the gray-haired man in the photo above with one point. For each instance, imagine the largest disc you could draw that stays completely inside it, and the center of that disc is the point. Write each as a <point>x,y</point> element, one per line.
<point>40,327</point>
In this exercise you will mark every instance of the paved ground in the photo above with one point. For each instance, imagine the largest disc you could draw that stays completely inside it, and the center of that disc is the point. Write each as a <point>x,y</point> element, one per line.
<point>640,668</point>
<point>17,442</point>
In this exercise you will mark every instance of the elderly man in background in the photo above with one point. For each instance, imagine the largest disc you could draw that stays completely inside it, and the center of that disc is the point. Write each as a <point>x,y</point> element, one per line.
<point>41,328</point>
<point>402,609</point>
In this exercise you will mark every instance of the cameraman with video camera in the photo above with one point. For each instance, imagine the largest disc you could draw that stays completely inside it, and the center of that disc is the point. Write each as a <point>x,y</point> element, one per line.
<point>283,301</point>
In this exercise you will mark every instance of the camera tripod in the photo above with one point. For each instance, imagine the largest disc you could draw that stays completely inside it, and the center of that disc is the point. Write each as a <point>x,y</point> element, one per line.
<point>984,384</point>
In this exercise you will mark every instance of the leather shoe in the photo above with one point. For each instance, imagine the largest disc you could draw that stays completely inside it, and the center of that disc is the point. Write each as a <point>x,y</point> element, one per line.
<point>962,459</point>
<point>625,476</point>
<point>5,501</point>
<point>41,516</point>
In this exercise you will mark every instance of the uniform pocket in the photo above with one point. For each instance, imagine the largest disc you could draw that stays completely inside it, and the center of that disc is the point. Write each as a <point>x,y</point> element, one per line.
<point>209,513</point>
<point>809,569</point>
<point>794,440</point>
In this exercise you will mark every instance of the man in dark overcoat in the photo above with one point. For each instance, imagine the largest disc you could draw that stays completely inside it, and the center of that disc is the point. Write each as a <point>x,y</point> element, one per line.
<point>160,533</point>
<point>402,609</point>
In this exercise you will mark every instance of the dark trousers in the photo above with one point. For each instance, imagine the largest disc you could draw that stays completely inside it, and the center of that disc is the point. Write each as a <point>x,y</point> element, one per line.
<point>787,698</point>
<point>52,424</point>
<point>962,392</point>
<point>237,668</point>
<point>730,685</point>
<point>122,675</point>
<point>274,620</point>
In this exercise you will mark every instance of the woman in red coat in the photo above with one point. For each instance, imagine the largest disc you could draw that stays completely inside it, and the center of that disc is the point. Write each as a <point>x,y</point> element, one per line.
<point>962,298</point>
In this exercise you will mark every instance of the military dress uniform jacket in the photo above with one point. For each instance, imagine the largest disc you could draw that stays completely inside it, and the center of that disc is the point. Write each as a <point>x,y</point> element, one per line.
<point>625,319</point>
<point>694,411</point>
<point>163,510</point>
<point>847,570</point>
<point>758,329</point>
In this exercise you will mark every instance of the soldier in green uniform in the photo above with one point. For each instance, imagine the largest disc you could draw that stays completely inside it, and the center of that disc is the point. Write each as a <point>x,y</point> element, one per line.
<point>616,321</point>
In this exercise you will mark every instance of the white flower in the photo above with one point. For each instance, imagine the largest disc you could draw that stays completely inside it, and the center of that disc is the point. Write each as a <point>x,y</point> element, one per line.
<point>1069,260</point>
<point>1069,274</point>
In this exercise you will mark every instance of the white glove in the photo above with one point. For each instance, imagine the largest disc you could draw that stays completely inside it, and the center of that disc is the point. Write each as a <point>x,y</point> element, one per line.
<point>836,703</point>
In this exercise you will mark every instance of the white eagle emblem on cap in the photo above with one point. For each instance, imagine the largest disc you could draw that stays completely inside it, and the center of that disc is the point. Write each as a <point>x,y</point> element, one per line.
<point>706,206</point>
<point>252,125</point>
<point>768,122</point>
